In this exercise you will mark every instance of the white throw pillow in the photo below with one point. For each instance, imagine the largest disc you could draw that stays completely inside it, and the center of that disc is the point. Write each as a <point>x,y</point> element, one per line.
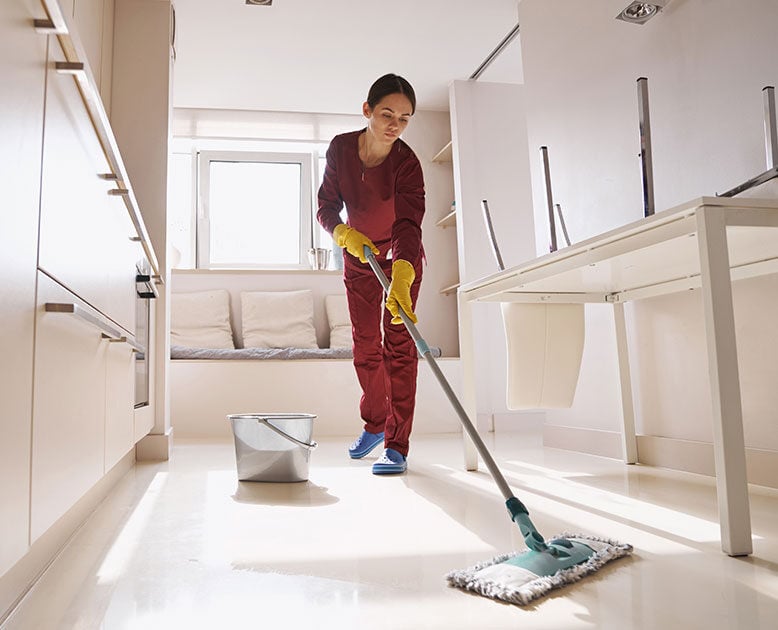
<point>278,319</point>
<point>339,320</point>
<point>337,310</point>
<point>340,337</point>
<point>201,319</point>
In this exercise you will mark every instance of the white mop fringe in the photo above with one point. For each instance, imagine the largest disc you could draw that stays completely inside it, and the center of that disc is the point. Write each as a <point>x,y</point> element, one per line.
<point>521,594</point>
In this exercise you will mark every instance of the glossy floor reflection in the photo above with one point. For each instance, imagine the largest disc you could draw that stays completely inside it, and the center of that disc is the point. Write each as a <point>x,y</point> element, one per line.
<point>183,544</point>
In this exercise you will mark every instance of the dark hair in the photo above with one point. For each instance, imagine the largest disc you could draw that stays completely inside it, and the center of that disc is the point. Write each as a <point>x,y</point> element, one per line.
<point>391,84</point>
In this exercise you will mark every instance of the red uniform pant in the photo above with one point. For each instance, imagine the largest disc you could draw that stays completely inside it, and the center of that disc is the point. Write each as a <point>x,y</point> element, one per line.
<point>386,364</point>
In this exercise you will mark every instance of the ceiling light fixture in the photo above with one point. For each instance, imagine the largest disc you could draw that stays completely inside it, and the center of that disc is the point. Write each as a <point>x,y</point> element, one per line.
<point>641,12</point>
<point>260,3</point>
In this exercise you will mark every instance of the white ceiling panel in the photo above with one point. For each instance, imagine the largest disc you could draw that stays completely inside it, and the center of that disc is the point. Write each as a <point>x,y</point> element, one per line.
<point>322,55</point>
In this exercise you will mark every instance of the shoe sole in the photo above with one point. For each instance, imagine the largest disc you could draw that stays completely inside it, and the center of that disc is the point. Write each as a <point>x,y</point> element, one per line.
<point>361,454</point>
<point>386,469</point>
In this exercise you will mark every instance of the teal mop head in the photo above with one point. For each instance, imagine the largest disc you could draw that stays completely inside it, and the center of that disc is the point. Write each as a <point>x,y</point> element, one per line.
<point>519,578</point>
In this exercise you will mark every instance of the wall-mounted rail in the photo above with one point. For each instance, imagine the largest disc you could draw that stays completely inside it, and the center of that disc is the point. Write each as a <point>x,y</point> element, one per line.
<point>495,53</point>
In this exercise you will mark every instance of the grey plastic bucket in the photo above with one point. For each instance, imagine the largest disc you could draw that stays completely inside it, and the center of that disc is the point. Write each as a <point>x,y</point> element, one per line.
<point>272,446</point>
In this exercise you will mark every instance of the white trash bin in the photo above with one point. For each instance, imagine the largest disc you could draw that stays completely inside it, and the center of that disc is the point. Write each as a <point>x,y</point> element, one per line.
<point>272,446</point>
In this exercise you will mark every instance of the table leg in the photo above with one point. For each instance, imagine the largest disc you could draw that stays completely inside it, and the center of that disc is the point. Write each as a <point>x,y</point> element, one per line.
<point>629,441</point>
<point>728,442</point>
<point>467,359</point>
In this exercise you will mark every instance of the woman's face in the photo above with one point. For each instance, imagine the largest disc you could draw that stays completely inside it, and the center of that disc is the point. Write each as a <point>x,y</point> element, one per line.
<point>389,118</point>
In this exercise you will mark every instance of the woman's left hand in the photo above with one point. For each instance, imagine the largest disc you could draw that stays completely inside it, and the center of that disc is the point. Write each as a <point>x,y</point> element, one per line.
<point>403,275</point>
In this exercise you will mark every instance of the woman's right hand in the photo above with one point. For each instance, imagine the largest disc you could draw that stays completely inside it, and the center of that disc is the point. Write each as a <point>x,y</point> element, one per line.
<point>353,240</point>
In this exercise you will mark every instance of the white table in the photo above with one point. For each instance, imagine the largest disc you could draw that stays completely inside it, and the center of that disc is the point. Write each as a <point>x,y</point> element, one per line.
<point>708,243</point>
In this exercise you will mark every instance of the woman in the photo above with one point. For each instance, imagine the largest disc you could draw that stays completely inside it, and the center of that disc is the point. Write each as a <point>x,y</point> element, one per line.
<point>379,179</point>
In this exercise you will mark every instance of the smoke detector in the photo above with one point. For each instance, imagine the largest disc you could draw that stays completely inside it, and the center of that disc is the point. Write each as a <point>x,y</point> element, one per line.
<point>641,12</point>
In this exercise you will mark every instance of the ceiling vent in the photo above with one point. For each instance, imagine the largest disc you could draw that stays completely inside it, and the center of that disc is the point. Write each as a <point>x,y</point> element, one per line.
<point>260,3</point>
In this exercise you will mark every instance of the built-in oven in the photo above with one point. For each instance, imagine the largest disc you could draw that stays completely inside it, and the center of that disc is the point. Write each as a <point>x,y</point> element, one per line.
<point>145,293</point>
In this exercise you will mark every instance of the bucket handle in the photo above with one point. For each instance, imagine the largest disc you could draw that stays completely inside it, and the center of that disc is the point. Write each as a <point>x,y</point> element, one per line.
<point>272,427</point>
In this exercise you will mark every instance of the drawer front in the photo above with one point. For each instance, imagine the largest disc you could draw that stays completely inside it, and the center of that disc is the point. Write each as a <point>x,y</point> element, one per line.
<point>68,410</point>
<point>119,403</point>
<point>85,233</point>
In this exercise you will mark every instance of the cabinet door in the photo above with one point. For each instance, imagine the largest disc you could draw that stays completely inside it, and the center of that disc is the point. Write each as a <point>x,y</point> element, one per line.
<point>119,402</point>
<point>69,402</point>
<point>120,266</point>
<point>23,72</point>
<point>84,233</point>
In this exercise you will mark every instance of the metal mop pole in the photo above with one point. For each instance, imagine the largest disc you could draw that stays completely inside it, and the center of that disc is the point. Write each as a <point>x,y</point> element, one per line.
<point>549,199</point>
<point>490,229</point>
<point>519,514</point>
<point>646,161</point>
<point>771,146</point>
<point>771,135</point>
<point>562,223</point>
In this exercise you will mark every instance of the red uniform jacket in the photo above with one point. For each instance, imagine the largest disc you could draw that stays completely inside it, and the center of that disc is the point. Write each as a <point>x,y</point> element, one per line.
<point>387,206</point>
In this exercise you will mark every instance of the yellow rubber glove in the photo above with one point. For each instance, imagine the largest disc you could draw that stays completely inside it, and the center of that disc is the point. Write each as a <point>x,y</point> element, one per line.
<point>403,275</point>
<point>353,240</point>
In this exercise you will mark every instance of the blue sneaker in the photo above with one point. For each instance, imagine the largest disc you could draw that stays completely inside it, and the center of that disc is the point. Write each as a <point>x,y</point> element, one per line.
<point>390,462</point>
<point>364,444</point>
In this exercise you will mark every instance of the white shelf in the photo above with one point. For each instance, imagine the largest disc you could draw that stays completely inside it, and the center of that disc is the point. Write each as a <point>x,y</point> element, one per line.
<point>444,155</point>
<point>448,220</point>
<point>450,289</point>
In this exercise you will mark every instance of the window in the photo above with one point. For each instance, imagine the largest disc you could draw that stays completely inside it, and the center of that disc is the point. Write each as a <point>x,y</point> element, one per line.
<point>254,210</point>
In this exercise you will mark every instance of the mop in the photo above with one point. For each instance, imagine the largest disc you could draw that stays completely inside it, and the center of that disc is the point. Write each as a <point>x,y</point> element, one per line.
<point>517,578</point>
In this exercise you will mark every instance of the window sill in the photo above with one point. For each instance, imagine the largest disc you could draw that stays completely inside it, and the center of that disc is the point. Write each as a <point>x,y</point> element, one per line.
<point>258,272</point>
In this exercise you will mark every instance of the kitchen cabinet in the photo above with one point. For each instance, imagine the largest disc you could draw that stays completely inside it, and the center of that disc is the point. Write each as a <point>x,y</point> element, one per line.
<point>70,237</point>
<point>21,130</point>
<point>69,412</point>
<point>85,234</point>
<point>119,401</point>
<point>83,419</point>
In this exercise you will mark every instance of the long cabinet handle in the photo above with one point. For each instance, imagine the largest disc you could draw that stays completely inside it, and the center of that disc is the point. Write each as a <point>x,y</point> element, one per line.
<point>69,67</point>
<point>110,339</point>
<point>108,331</point>
<point>57,23</point>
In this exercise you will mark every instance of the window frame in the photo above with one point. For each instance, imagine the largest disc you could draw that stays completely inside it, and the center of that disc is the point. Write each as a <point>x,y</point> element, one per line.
<point>203,223</point>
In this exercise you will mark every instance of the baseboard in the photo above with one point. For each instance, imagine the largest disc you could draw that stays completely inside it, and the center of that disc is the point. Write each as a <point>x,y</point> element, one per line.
<point>675,454</point>
<point>154,447</point>
<point>591,441</point>
<point>21,578</point>
<point>697,457</point>
<point>518,421</point>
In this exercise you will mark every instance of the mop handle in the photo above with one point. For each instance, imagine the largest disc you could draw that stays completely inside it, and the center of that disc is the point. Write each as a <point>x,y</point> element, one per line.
<point>427,354</point>
<point>517,510</point>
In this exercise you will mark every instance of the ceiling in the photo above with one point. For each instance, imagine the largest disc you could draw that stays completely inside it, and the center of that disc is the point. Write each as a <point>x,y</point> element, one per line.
<point>322,55</point>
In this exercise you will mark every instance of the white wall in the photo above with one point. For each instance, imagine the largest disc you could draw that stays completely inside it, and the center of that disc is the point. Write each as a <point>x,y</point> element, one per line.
<point>490,162</point>
<point>707,62</point>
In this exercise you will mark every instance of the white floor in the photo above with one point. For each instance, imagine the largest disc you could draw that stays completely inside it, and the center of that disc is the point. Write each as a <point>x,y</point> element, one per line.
<point>182,544</point>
